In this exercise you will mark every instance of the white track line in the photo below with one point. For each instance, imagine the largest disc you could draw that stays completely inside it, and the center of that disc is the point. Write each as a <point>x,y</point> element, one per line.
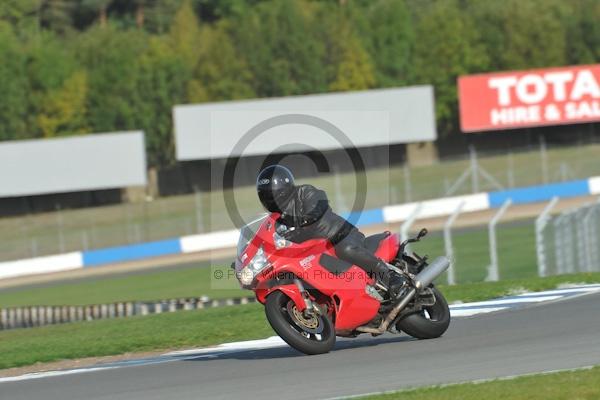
<point>469,313</point>
<point>506,301</point>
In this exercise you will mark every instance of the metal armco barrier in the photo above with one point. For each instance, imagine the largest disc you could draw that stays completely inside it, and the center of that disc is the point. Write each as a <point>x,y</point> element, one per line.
<point>33,316</point>
<point>569,242</point>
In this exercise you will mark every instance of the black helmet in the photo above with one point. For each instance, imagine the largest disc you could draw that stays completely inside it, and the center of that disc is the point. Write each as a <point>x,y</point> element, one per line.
<point>274,185</point>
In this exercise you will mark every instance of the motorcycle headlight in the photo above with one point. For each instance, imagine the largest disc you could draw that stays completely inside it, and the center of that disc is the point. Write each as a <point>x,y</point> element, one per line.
<point>280,242</point>
<point>259,261</point>
<point>246,276</point>
<point>257,264</point>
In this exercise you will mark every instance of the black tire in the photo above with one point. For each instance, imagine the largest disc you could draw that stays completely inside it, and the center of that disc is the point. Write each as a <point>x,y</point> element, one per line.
<point>277,309</point>
<point>433,325</point>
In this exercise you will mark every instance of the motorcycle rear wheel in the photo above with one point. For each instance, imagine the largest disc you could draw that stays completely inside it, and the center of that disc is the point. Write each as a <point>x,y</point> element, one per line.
<point>430,323</point>
<point>310,336</point>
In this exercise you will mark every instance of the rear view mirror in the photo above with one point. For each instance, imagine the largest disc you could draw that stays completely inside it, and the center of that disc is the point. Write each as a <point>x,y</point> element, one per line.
<point>422,233</point>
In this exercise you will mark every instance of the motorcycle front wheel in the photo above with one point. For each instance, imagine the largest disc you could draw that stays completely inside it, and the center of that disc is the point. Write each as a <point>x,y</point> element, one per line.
<point>309,335</point>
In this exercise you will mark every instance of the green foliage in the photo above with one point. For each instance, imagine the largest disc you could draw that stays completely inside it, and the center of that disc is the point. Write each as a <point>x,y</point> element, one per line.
<point>57,15</point>
<point>221,72</point>
<point>13,86</point>
<point>112,59</point>
<point>185,35</point>
<point>21,14</point>
<point>448,45</point>
<point>49,66</point>
<point>275,39</point>
<point>70,67</point>
<point>64,110</point>
<point>391,37</point>
<point>160,83</point>
<point>354,68</point>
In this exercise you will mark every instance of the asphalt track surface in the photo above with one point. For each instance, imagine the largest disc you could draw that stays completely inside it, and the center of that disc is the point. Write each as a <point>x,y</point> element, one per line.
<point>536,338</point>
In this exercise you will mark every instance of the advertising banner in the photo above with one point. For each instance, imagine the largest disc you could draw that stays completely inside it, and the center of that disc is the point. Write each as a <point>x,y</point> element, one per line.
<point>538,97</point>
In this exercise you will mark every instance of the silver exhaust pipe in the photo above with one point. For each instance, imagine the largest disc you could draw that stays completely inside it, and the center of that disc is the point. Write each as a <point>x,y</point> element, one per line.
<point>422,280</point>
<point>428,275</point>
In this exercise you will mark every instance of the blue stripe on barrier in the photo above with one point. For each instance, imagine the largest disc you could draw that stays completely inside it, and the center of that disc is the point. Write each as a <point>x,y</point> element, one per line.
<point>532,194</point>
<point>132,252</point>
<point>366,217</point>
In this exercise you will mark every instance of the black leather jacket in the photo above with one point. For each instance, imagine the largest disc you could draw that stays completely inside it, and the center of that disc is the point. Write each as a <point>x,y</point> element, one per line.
<point>308,211</point>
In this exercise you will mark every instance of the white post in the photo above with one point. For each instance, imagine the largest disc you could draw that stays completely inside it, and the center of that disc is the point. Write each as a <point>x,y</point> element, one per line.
<point>540,223</point>
<point>493,274</point>
<point>558,244</point>
<point>408,223</point>
<point>568,231</point>
<point>595,226</point>
<point>448,242</point>
<point>579,217</point>
<point>586,220</point>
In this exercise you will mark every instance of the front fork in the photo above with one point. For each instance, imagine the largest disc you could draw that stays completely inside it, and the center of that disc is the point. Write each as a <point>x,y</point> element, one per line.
<point>310,308</point>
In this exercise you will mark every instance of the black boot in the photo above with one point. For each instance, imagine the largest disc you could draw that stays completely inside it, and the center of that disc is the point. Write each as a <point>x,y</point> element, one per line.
<point>389,279</point>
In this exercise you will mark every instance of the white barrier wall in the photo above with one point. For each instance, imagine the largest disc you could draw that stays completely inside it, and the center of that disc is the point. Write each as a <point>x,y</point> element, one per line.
<point>437,207</point>
<point>39,265</point>
<point>367,118</point>
<point>209,241</point>
<point>59,165</point>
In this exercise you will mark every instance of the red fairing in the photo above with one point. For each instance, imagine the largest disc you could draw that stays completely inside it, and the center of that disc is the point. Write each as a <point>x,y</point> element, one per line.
<point>388,248</point>
<point>343,292</point>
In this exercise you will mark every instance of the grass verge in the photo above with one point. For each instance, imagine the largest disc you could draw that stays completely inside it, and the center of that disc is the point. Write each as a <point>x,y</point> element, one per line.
<point>22,347</point>
<point>580,384</point>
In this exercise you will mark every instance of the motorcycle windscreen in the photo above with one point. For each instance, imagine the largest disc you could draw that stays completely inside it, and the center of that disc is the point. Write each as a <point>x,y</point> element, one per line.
<point>247,233</point>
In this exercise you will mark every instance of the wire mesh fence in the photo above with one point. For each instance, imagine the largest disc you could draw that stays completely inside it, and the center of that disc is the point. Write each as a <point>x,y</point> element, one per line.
<point>155,219</point>
<point>569,242</point>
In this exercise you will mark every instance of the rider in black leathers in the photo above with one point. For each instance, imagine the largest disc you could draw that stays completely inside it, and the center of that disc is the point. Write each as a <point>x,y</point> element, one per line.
<point>306,212</point>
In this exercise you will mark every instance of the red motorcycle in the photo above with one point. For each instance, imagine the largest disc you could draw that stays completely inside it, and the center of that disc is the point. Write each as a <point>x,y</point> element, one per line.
<point>311,296</point>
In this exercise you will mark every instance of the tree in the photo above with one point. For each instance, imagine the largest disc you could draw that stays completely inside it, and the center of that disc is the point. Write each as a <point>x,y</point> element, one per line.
<point>49,65</point>
<point>64,111</point>
<point>583,32</point>
<point>13,86</point>
<point>185,35</point>
<point>354,69</point>
<point>57,15</point>
<point>222,73</point>
<point>100,8</point>
<point>112,60</point>
<point>448,46</point>
<point>535,34</point>
<point>22,15</point>
<point>214,10</point>
<point>522,34</point>
<point>161,82</point>
<point>159,14</point>
<point>283,54</point>
<point>391,41</point>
